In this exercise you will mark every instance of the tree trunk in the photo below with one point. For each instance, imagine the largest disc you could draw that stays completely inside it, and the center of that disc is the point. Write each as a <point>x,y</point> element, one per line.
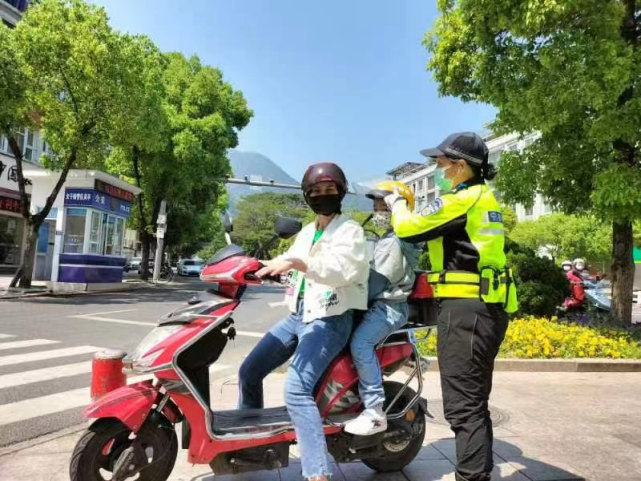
<point>145,243</point>
<point>622,271</point>
<point>25,274</point>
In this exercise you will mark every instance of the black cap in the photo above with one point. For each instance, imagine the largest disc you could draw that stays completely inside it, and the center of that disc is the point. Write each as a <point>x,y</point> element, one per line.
<point>462,145</point>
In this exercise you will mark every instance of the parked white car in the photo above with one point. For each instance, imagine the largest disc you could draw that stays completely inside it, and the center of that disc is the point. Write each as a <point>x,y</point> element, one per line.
<point>189,267</point>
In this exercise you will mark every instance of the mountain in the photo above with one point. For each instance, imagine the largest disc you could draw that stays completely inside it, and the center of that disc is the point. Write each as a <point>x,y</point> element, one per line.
<point>259,168</point>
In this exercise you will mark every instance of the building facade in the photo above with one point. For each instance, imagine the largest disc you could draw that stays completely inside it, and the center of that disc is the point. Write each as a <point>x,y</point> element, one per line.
<point>12,225</point>
<point>12,231</point>
<point>419,176</point>
<point>514,142</point>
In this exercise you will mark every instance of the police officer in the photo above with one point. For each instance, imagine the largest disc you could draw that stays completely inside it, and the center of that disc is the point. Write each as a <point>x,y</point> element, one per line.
<point>466,238</point>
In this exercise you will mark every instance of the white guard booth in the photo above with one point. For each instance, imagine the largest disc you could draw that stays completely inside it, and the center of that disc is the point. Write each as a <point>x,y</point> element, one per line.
<point>80,245</point>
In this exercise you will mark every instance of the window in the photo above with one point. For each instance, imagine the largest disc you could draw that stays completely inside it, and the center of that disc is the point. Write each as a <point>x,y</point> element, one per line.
<point>109,227</point>
<point>119,232</point>
<point>529,211</point>
<point>94,233</point>
<point>431,197</point>
<point>26,141</point>
<point>10,240</point>
<point>75,231</point>
<point>419,203</point>
<point>29,148</point>
<point>420,185</point>
<point>430,183</point>
<point>414,188</point>
<point>494,157</point>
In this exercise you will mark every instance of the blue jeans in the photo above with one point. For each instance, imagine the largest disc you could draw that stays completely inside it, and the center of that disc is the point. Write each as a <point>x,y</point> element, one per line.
<point>379,321</point>
<point>314,346</point>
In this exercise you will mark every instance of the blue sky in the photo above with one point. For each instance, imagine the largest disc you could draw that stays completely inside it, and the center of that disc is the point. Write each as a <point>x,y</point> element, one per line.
<point>334,80</point>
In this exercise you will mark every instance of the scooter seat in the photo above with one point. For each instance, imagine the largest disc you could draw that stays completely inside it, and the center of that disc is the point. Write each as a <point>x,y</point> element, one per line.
<point>239,421</point>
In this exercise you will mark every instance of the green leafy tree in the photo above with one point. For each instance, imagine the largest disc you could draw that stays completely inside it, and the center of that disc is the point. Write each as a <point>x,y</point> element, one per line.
<point>510,220</point>
<point>566,237</point>
<point>570,70</point>
<point>65,71</point>
<point>202,117</point>
<point>254,224</point>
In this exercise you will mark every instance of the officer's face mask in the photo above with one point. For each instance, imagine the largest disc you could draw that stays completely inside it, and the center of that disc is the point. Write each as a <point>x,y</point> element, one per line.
<point>579,266</point>
<point>382,219</point>
<point>441,181</point>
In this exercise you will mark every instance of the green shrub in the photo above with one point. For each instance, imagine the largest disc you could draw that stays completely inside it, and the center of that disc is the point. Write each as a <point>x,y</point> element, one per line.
<point>541,285</point>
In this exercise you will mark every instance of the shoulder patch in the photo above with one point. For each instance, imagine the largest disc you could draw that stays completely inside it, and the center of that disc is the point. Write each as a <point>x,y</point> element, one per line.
<point>495,216</point>
<point>432,208</point>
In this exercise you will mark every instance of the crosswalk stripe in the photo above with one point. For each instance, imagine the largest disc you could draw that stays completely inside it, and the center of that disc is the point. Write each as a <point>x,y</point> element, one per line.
<point>115,321</point>
<point>46,355</point>
<point>46,374</point>
<point>29,343</point>
<point>109,312</point>
<point>53,403</point>
<point>6,336</point>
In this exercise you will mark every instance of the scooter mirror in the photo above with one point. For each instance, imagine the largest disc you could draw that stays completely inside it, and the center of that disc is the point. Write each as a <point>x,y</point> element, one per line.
<point>227,222</point>
<point>287,227</point>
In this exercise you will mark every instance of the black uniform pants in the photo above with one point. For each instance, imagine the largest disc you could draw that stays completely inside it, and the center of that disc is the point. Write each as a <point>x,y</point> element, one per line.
<point>469,335</point>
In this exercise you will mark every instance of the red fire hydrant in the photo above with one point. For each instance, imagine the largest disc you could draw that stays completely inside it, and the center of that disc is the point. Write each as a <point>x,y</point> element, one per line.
<point>106,373</point>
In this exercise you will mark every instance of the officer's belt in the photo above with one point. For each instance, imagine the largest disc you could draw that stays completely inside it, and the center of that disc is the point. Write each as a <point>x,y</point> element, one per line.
<point>459,284</point>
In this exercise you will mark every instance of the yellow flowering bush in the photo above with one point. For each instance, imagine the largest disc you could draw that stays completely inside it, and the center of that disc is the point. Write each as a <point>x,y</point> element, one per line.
<point>542,338</point>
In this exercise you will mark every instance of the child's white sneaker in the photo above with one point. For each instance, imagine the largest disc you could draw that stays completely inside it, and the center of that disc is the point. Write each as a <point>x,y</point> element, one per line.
<point>370,421</point>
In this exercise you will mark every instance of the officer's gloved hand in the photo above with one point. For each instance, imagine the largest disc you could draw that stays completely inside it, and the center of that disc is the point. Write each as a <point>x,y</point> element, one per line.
<point>391,199</point>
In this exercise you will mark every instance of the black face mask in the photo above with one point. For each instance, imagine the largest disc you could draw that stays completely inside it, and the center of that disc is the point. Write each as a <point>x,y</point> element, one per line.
<point>326,204</point>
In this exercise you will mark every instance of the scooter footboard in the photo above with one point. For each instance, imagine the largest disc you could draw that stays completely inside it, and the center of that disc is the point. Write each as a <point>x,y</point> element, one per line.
<point>129,404</point>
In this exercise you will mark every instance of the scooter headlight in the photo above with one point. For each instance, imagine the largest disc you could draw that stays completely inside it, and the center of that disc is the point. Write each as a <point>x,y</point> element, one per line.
<point>137,361</point>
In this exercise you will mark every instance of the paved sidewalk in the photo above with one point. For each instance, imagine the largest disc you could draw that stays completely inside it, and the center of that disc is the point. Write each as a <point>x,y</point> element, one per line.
<point>549,427</point>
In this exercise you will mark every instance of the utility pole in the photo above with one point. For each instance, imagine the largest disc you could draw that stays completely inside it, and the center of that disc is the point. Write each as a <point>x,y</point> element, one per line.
<point>160,239</point>
<point>259,183</point>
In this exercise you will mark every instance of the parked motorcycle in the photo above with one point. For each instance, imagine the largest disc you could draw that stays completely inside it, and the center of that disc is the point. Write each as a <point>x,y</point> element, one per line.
<point>134,431</point>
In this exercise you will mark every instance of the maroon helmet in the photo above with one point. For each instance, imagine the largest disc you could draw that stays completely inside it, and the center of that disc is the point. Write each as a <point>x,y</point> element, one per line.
<point>324,172</point>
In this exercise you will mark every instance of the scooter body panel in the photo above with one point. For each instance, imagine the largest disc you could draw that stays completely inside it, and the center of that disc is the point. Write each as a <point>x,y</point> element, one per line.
<point>130,404</point>
<point>338,392</point>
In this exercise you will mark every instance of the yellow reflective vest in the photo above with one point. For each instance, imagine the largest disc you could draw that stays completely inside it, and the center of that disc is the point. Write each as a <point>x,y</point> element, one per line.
<point>466,240</point>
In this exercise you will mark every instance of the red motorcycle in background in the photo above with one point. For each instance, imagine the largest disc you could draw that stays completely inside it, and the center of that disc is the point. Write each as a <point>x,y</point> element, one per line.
<point>134,431</point>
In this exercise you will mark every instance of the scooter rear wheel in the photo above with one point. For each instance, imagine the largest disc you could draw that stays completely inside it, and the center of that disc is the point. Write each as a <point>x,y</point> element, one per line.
<point>102,444</point>
<point>396,455</point>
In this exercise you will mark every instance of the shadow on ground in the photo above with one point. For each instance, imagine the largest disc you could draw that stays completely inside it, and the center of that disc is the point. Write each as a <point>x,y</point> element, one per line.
<point>434,463</point>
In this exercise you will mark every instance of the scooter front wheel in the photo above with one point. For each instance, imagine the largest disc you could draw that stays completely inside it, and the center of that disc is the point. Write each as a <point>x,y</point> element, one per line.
<point>108,446</point>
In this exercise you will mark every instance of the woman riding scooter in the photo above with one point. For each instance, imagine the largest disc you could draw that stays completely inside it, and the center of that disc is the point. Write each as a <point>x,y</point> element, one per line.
<point>329,257</point>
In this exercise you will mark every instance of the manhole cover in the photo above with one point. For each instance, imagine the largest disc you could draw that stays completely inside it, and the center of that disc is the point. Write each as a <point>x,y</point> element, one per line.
<point>435,407</point>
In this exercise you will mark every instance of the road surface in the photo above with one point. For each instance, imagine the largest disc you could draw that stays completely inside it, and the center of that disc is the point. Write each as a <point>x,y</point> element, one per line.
<point>46,347</point>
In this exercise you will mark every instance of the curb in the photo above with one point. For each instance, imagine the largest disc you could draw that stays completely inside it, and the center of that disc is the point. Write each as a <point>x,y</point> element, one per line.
<point>559,365</point>
<point>135,286</point>
<point>45,438</point>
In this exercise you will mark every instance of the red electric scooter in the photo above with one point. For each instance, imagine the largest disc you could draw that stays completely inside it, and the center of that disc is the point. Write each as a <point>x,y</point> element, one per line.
<point>134,432</point>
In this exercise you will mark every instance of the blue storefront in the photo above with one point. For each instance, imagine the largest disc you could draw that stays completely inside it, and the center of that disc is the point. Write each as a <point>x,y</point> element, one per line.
<point>94,229</point>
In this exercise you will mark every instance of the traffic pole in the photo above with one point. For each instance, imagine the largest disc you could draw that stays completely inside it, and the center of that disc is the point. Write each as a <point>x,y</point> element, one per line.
<point>160,239</point>
<point>106,372</point>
